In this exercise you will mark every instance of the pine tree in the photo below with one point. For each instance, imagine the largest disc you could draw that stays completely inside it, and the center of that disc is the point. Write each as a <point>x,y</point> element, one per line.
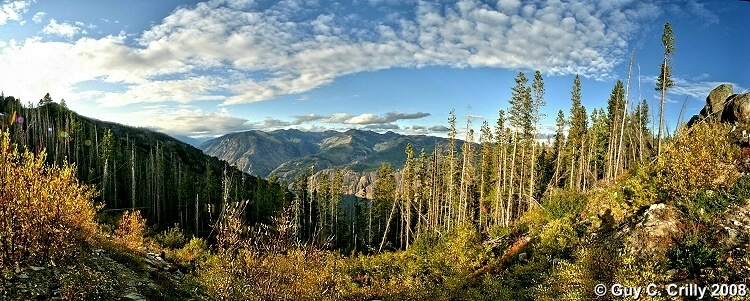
<point>485,173</point>
<point>538,102</point>
<point>615,106</point>
<point>664,81</point>
<point>384,197</point>
<point>558,149</point>
<point>466,167</point>
<point>576,135</point>
<point>107,150</point>
<point>45,100</point>
<point>501,174</point>
<point>407,195</point>
<point>337,195</point>
<point>521,123</point>
<point>451,176</point>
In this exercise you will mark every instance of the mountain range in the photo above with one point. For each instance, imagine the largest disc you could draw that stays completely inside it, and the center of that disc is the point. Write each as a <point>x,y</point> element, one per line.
<point>290,153</point>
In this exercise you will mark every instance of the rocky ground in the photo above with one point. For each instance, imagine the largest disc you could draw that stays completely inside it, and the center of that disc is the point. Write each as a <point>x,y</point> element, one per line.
<point>96,275</point>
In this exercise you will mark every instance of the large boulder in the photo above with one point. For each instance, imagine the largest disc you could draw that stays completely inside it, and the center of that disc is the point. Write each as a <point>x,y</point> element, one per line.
<point>722,105</point>
<point>717,99</point>
<point>737,109</point>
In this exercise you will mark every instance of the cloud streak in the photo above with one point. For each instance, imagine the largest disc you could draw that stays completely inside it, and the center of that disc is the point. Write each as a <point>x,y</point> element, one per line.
<point>696,87</point>
<point>362,119</point>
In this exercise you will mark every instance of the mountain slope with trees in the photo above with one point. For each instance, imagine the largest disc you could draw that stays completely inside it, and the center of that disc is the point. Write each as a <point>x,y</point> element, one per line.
<point>167,180</point>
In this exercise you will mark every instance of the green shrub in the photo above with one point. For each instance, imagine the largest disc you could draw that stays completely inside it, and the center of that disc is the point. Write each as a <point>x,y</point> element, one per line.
<point>635,272</point>
<point>741,190</point>
<point>564,203</point>
<point>640,188</point>
<point>574,279</point>
<point>298,275</point>
<point>196,250</point>
<point>691,255</point>
<point>557,239</point>
<point>711,202</point>
<point>172,238</point>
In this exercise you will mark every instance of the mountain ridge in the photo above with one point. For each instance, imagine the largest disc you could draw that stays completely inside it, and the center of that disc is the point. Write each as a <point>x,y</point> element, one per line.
<point>287,153</point>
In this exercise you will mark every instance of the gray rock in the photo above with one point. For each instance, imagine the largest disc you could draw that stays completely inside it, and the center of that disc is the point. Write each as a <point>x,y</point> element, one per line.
<point>737,109</point>
<point>134,297</point>
<point>717,98</point>
<point>523,257</point>
<point>695,119</point>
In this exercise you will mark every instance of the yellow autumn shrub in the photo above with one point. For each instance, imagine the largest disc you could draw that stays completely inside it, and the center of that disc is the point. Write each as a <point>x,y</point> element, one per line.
<point>701,157</point>
<point>45,212</point>
<point>130,231</point>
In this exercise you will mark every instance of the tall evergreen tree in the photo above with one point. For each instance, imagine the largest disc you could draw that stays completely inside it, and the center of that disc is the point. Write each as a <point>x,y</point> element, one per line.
<point>407,194</point>
<point>615,106</point>
<point>664,81</point>
<point>576,134</point>
<point>538,102</point>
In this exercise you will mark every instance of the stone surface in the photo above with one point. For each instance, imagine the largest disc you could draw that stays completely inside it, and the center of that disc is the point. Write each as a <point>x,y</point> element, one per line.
<point>654,231</point>
<point>737,109</point>
<point>722,105</point>
<point>717,98</point>
<point>134,297</point>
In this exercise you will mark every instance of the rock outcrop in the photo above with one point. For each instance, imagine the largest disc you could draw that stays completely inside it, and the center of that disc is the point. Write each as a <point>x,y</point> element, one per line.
<point>654,231</point>
<point>724,105</point>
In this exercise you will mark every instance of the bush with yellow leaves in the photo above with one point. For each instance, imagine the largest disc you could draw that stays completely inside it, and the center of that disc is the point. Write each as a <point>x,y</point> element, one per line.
<point>130,231</point>
<point>701,157</point>
<point>45,212</point>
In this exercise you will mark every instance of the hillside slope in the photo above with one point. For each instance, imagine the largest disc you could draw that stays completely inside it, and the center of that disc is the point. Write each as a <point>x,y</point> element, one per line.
<point>167,180</point>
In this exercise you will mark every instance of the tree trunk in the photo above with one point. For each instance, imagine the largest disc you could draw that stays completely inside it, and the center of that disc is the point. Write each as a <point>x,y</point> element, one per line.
<point>661,109</point>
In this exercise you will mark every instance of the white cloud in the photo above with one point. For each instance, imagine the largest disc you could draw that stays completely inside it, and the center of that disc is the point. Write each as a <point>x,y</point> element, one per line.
<point>362,119</point>
<point>293,47</point>
<point>38,18</point>
<point>696,87</point>
<point>64,29</point>
<point>185,120</point>
<point>180,90</point>
<point>426,130</point>
<point>384,119</point>
<point>382,127</point>
<point>13,10</point>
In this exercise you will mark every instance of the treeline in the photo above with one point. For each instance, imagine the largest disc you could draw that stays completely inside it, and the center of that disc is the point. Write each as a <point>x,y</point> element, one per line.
<point>484,184</point>
<point>168,181</point>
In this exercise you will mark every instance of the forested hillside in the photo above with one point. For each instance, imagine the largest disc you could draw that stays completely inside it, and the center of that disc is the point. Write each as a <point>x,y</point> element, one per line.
<point>168,181</point>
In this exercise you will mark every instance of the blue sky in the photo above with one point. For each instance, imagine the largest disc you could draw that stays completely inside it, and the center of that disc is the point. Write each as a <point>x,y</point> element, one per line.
<point>206,68</point>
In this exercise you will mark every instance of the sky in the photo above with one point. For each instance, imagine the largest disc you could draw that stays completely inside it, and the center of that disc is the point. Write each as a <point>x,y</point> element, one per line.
<point>206,68</point>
